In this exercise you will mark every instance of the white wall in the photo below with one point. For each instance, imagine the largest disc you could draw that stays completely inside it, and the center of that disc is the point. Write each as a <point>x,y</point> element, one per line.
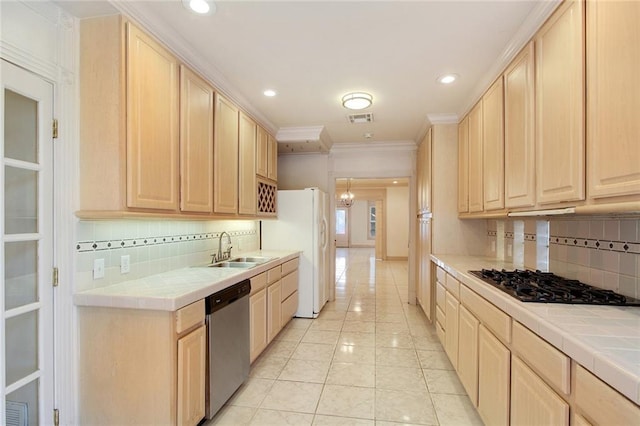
<point>358,225</point>
<point>299,171</point>
<point>397,224</point>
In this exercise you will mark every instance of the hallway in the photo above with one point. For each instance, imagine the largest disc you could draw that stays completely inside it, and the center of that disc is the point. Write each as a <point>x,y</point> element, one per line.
<point>370,358</point>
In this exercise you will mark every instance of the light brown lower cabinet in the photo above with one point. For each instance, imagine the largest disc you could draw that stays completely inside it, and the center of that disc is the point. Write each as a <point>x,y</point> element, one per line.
<point>494,366</point>
<point>192,373</point>
<point>258,325</point>
<point>533,402</point>
<point>468,353</point>
<point>451,328</point>
<point>274,310</point>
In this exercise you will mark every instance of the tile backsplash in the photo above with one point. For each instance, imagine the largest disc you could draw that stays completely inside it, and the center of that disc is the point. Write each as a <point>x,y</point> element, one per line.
<point>154,246</point>
<point>602,252</point>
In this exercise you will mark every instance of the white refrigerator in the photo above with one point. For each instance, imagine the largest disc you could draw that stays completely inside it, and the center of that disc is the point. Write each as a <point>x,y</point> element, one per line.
<point>302,225</point>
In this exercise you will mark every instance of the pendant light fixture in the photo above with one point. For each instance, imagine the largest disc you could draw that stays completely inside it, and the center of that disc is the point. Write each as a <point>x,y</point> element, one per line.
<point>347,197</point>
<point>357,100</point>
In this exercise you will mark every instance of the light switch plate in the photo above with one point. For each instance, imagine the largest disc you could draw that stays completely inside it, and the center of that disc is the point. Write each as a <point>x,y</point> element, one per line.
<point>98,269</point>
<point>125,264</point>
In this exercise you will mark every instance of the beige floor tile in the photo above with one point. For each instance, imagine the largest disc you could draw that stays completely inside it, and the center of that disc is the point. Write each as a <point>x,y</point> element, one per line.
<point>428,343</point>
<point>405,406</point>
<point>252,392</point>
<point>321,420</point>
<point>359,326</point>
<point>391,340</point>
<point>326,325</point>
<point>314,351</point>
<point>268,367</point>
<point>348,374</point>
<point>293,396</point>
<point>280,349</point>
<point>390,317</point>
<point>392,327</point>
<point>453,410</point>
<point>360,316</point>
<point>397,357</point>
<point>434,360</point>
<point>347,401</point>
<point>291,334</point>
<point>331,315</point>
<point>357,338</point>
<point>399,378</point>
<point>300,323</point>
<point>443,381</point>
<point>230,415</point>
<point>321,336</point>
<point>385,423</point>
<point>355,354</point>
<point>302,370</point>
<point>277,418</point>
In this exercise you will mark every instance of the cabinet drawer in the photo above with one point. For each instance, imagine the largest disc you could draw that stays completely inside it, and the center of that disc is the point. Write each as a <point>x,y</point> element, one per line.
<point>440,275</point>
<point>453,285</point>
<point>258,283</point>
<point>440,295</point>
<point>290,266</point>
<point>600,403</point>
<point>274,274</point>
<point>440,316</point>
<point>289,307</point>
<point>493,318</point>
<point>289,284</point>
<point>440,332</point>
<point>548,362</point>
<point>189,316</point>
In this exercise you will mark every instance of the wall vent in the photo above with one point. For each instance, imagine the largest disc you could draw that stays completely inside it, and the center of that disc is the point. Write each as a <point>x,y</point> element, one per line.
<point>360,118</point>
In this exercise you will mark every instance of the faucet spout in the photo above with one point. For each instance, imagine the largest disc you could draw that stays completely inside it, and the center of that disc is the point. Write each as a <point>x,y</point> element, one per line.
<point>227,253</point>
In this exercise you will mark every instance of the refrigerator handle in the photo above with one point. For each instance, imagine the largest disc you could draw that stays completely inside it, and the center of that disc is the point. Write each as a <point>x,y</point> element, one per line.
<point>323,233</point>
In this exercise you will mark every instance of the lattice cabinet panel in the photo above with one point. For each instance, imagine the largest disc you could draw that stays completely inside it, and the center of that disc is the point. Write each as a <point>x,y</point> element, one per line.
<point>267,201</point>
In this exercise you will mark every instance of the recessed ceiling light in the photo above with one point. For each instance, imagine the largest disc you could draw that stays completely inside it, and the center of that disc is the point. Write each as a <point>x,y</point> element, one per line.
<point>395,181</point>
<point>447,78</point>
<point>357,100</point>
<point>270,93</point>
<point>368,135</point>
<point>201,7</point>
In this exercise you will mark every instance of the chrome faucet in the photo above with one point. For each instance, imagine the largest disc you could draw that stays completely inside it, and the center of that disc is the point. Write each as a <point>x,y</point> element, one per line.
<point>220,256</point>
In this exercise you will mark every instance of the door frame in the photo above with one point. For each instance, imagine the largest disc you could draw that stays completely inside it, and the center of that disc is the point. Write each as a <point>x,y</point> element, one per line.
<point>347,236</point>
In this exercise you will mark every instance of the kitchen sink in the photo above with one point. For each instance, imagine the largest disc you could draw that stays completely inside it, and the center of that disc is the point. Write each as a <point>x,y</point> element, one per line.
<point>251,259</point>
<point>233,264</point>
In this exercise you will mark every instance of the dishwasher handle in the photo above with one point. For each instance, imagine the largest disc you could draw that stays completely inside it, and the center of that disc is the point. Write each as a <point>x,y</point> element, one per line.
<point>229,295</point>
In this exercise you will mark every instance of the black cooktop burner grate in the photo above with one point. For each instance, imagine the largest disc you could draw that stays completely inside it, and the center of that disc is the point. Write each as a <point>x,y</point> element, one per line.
<point>546,287</point>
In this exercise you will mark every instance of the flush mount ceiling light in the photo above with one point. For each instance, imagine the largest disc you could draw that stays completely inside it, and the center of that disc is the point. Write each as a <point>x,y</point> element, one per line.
<point>357,100</point>
<point>201,7</point>
<point>447,78</point>
<point>270,93</point>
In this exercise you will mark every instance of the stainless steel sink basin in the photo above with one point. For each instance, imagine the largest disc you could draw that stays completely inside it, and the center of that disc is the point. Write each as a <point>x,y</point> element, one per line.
<point>251,259</point>
<point>234,264</point>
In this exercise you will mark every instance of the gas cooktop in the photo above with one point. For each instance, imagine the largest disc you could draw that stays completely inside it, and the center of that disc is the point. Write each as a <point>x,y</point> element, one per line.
<point>545,287</point>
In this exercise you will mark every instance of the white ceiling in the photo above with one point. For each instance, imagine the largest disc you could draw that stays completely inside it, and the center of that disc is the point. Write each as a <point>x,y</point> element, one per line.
<point>313,52</point>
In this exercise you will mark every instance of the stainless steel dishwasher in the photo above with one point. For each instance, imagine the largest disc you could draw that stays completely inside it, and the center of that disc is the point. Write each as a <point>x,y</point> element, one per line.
<point>228,343</point>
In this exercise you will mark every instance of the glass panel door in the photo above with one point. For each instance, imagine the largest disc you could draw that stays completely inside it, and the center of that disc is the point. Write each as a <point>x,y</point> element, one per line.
<point>342,227</point>
<point>26,248</point>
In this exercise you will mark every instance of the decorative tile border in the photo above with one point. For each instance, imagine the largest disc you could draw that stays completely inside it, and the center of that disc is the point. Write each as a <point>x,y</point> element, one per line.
<point>508,235</point>
<point>594,244</point>
<point>84,246</point>
<point>492,233</point>
<point>530,237</point>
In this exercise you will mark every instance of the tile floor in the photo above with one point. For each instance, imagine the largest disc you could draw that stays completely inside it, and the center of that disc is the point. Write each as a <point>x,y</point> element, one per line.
<point>369,359</point>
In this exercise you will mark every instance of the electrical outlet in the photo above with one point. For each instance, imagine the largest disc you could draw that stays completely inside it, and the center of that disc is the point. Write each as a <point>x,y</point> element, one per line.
<point>98,269</point>
<point>125,264</point>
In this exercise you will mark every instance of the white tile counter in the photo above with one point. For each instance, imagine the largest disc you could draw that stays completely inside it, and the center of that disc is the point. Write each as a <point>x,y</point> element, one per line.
<point>603,339</point>
<point>170,291</point>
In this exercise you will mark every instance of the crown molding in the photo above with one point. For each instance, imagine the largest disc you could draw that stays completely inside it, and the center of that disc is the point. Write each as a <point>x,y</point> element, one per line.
<point>377,146</point>
<point>183,50</point>
<point>449,118</point>
<point>525,33</point>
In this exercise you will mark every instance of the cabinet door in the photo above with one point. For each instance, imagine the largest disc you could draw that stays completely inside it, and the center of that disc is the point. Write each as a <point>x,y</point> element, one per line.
<point>519,141</point>
<point>423,289</point>
<point>560,143</point>
<point>532,401</point>
<point>247,196</point>
<point>272,155</point>
<point>493,147</point>
<point>152,123</point>
<point>274,306</point>
<point>613,66</point>
<point>451,328</point>
<point>225,157</point>
<point>493,379</point>
<point>475,159</point>
<point>463,166</point>
<point>468,353</point>
<point>196,143</point>
<point>258,323</point>
<point>424,173</point>
<point>192,350</point>
<point>262,153</point>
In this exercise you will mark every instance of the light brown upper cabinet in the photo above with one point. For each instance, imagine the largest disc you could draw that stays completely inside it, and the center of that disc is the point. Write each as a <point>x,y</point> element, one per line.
<point>475,159</point>
<point>129,140</point>
<point>519,142</point>
<point>247,195</point>
<point>272,155</point>
<point>493,146</point>
<point>463,166</point>
<point>196,143</point>
<point>613,102</point>
<point>424,173</point>
<point>262,153</point>
<point>225,155</point>
<point>560,140</point>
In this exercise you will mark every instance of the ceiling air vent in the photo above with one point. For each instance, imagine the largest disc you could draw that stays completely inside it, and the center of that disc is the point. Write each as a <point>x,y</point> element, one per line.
<point>365,117</point>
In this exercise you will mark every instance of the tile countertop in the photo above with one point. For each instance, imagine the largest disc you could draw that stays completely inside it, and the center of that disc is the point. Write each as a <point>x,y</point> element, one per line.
<point>170,291</point>
<point>603,339</point>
